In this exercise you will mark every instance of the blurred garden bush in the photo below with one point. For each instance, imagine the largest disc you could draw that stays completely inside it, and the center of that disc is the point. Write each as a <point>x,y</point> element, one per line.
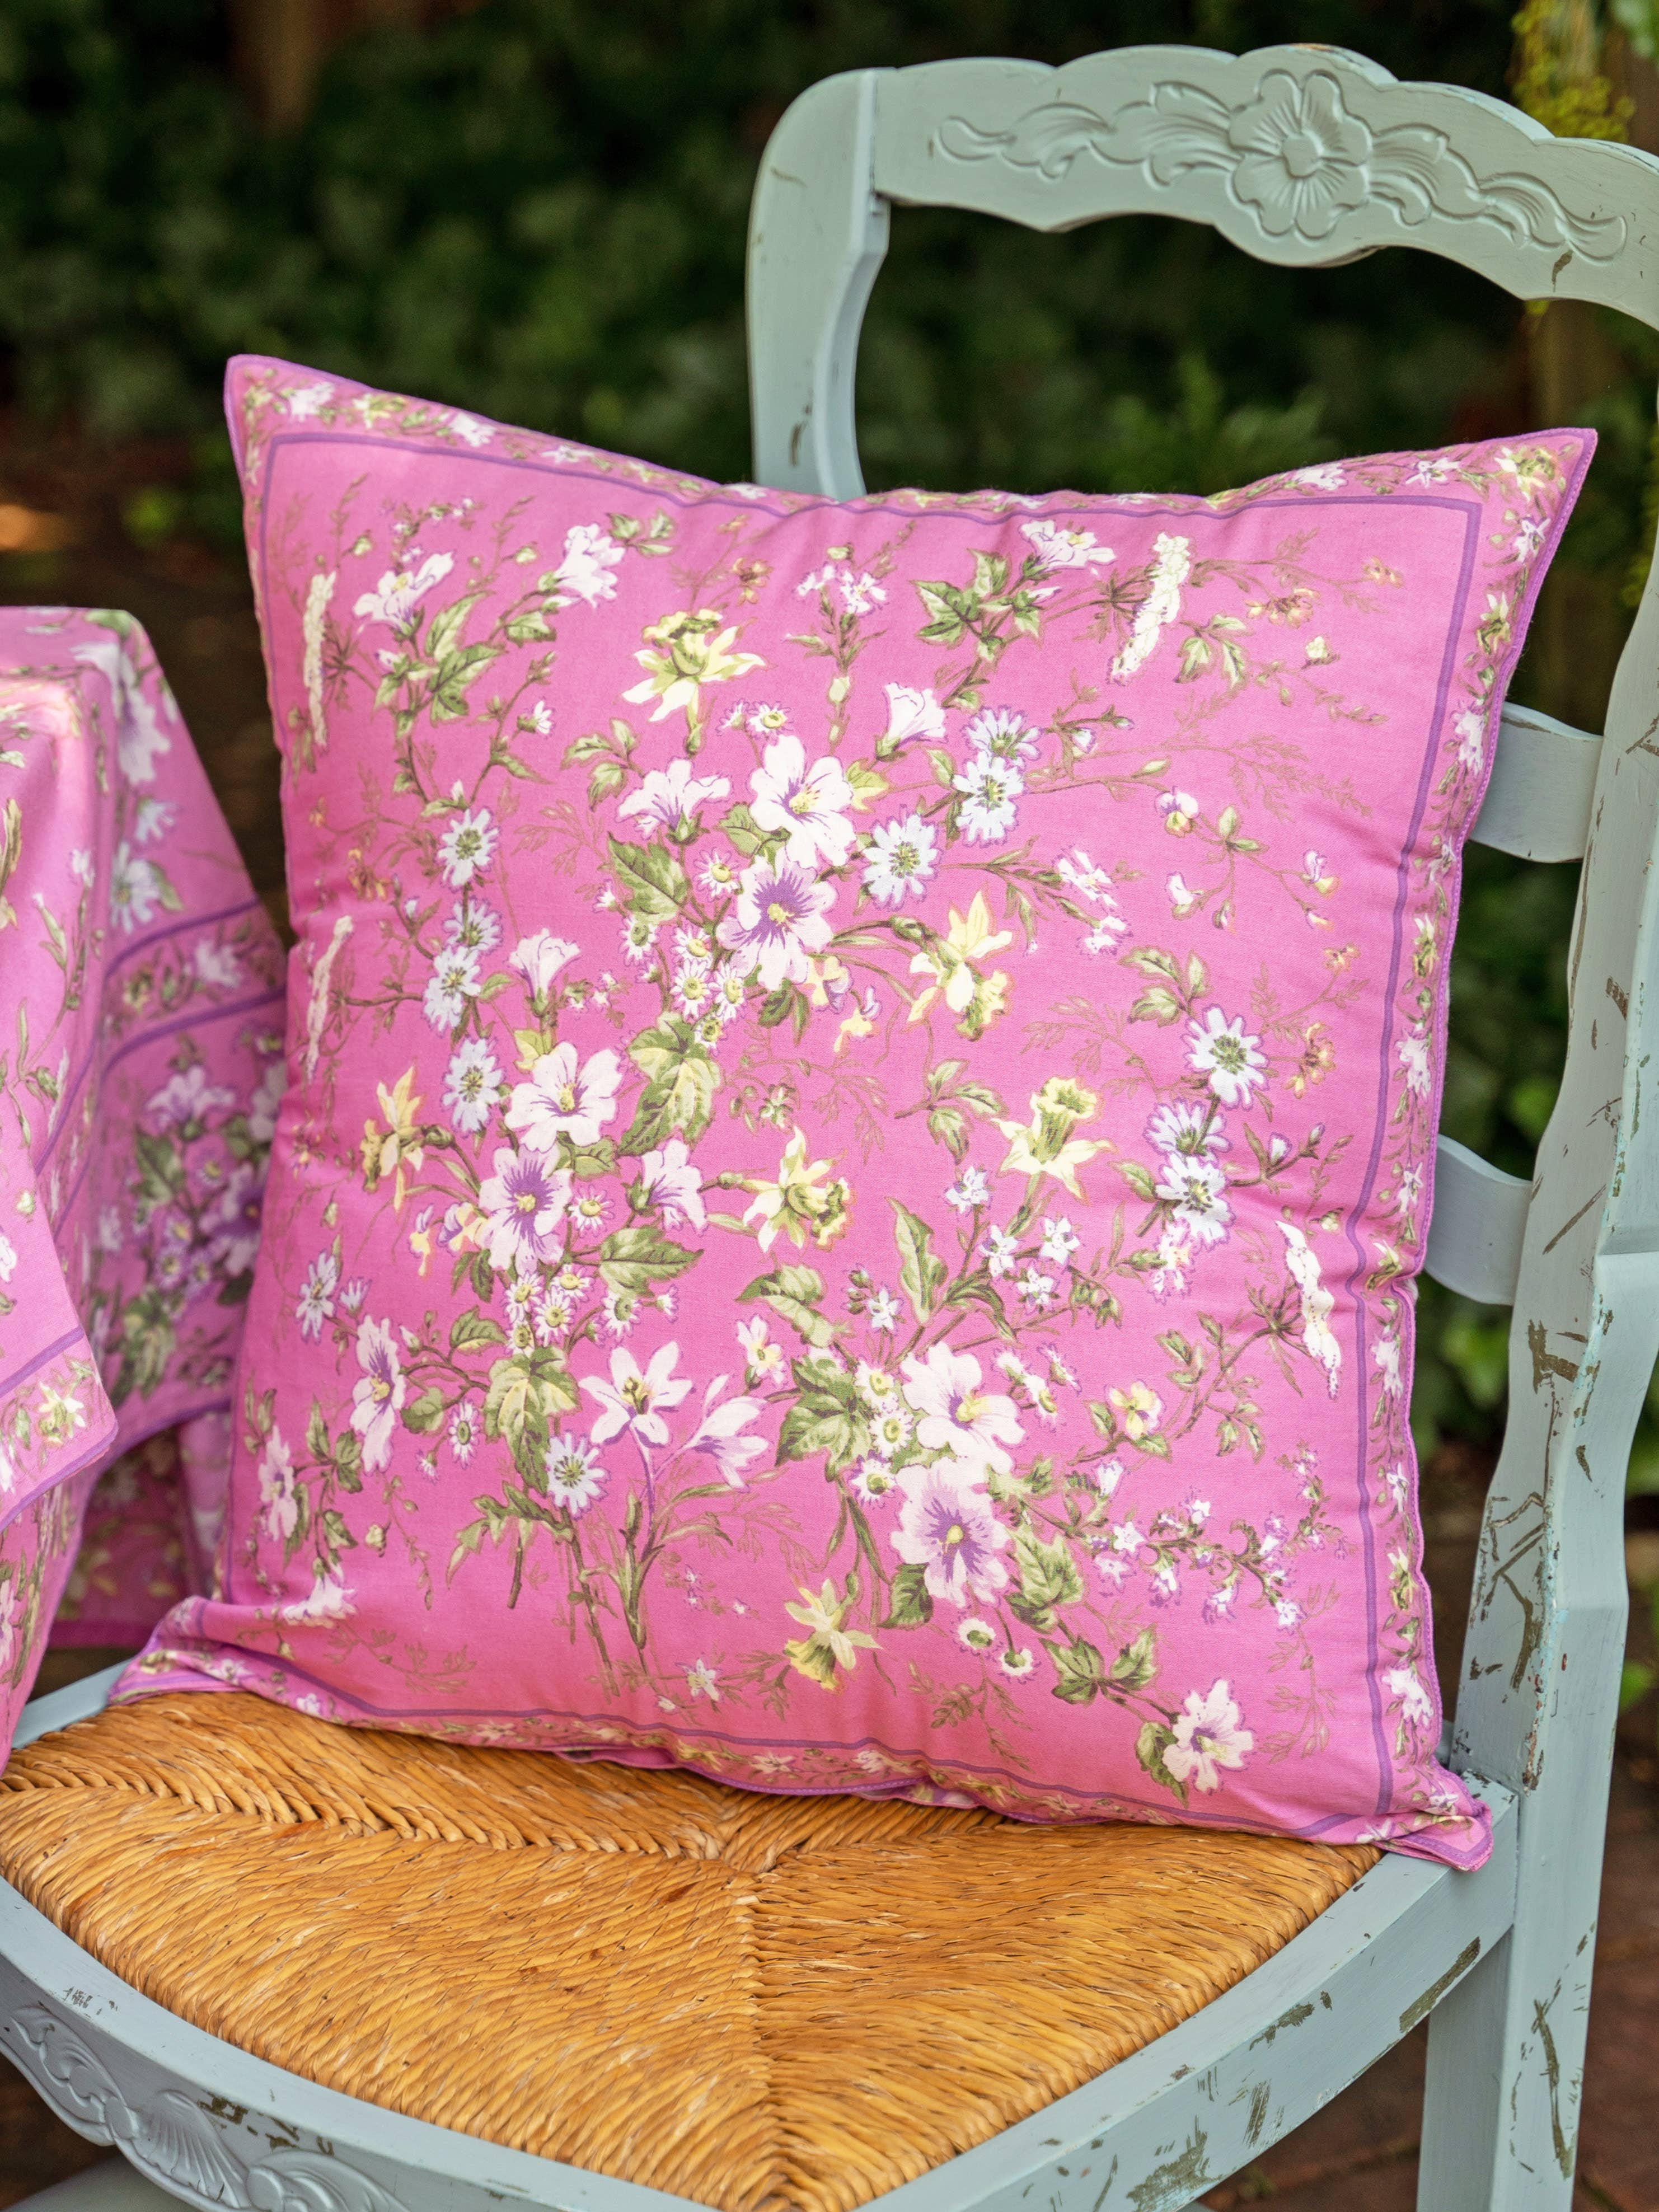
<point>537,209</point>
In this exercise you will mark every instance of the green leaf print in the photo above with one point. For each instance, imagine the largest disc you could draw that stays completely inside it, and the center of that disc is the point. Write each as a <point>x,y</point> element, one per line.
<point>425,1414</point>
<point>1048,1578</point>
<point>1154,1740</point>
<point>1079,1672</point>
<point>633,1259</point>
<point>656,885</point>
<point>148,1342</point>
<point>678,1097</point>
<point>912,1606</point>
<point>523,1398</point>
<point>1135,1667</point>
<point>826,1418</point>
<point>471,1330</point>
<point>795,1292</point>
<point>921,1272</point>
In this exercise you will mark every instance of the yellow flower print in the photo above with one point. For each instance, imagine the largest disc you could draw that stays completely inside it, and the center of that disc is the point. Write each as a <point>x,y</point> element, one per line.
<point>951,963</point>
<point>829,1644</point>
<point>800,1202</point>
<point>1139,1408</point>
<point>399,1147</point>
<point>681,653</point>
<point>1045,1145</point>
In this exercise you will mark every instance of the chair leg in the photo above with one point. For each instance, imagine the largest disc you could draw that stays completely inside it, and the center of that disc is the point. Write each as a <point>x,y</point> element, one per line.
<point>113,2186</point>
<point>1505,2073</point>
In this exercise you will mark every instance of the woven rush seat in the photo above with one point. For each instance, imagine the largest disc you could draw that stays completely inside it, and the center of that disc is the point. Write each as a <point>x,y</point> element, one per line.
<point>754,2001</point>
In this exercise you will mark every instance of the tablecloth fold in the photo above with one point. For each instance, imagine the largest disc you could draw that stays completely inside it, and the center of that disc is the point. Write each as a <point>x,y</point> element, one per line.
<point>141,1065</point>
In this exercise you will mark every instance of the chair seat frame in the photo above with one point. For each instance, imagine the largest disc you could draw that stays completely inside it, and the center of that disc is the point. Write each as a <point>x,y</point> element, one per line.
<point>1499,1959</point>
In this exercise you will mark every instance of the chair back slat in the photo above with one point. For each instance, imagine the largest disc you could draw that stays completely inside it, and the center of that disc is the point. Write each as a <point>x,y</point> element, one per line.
<point>1478,1226</point>
<point>1542,787</point>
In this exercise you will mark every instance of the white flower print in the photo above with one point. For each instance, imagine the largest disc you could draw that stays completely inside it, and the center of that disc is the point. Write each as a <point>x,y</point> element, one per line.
<point>990,790</point>
<point>1385,1357</point>
<point>808,805</point>
<point>470,429</point>
<point>911,714</point>
<point>1172,564</point>
<point>718,1435</point>
<point>136,887</point>
<point>778,922</point>
<point>464,1429</point>
<point>378,1394</point>
<point>1180,1128</point>
<point>472,1082</point>
<point>669,798</point>
<point>900,860</point>
<point>1183,900</point>
<point>1208,1737</point>
<point>319,594</point>
<point>330,1598</point>
<point>399,592</point>
<point>1003,733</point>
<point>478,928</point>
<point>957,1414</point>
<point>636,1398</point>
<point>885,1312</point>
<point>1001,1250</point>
<point>1232,1062</point>
<point>1405,1684</point>
<point>971,1189</point>
<point>187,1097</point>
<point>279,1508</point>
<point>305,400</point>
<point>1470,726</point>
<point>216,966</point>
<point>561,1100</point>
<point>1056,547</point>
<point>316,1300</point>
<point>539,959</point>
<point>1319,475</point>
<point>586,571</point>
<point>1317,1335</point>
<point>576,1478</point>
<point>1194,1186</point>
<point>466,848</point>
<point>668,1179</point>
<point>453,981</point>
<point>1413,1050</point>
<point>1060,1241</point>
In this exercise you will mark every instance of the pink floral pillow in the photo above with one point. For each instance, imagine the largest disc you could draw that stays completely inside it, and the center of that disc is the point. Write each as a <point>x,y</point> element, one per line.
<point>862,1085</point>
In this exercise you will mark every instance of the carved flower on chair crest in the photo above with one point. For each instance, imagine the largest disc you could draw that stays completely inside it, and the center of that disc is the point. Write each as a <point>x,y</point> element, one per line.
<point>1305,157</point>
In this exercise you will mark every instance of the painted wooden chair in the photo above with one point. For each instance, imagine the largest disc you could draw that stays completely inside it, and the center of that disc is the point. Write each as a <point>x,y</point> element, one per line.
<point>1303,157</point>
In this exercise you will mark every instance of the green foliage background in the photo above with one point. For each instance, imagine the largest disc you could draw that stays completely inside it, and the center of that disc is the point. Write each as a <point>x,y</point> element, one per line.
<point>538,210</point>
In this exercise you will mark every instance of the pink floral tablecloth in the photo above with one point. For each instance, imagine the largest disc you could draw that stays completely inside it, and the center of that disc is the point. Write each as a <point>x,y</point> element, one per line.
<point>140,1063</point>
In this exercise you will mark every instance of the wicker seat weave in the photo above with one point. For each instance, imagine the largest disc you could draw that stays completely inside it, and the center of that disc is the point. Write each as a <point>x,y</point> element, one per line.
<point>754,2001</point>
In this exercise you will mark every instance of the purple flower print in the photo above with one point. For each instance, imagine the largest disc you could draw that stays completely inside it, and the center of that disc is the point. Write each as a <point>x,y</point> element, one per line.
<point>947,1529</point>
<point>524,1203</point>
<point>378,1394</point>
<point>778,922</point>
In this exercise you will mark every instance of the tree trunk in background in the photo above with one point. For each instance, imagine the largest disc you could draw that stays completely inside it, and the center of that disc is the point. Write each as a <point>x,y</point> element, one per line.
<point>1574,361</point>
<point>281,47</point>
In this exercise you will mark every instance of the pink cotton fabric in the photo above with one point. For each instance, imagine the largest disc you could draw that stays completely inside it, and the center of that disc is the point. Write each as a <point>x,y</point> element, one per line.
<point>141,1059</point>
<point>862,1089</point>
